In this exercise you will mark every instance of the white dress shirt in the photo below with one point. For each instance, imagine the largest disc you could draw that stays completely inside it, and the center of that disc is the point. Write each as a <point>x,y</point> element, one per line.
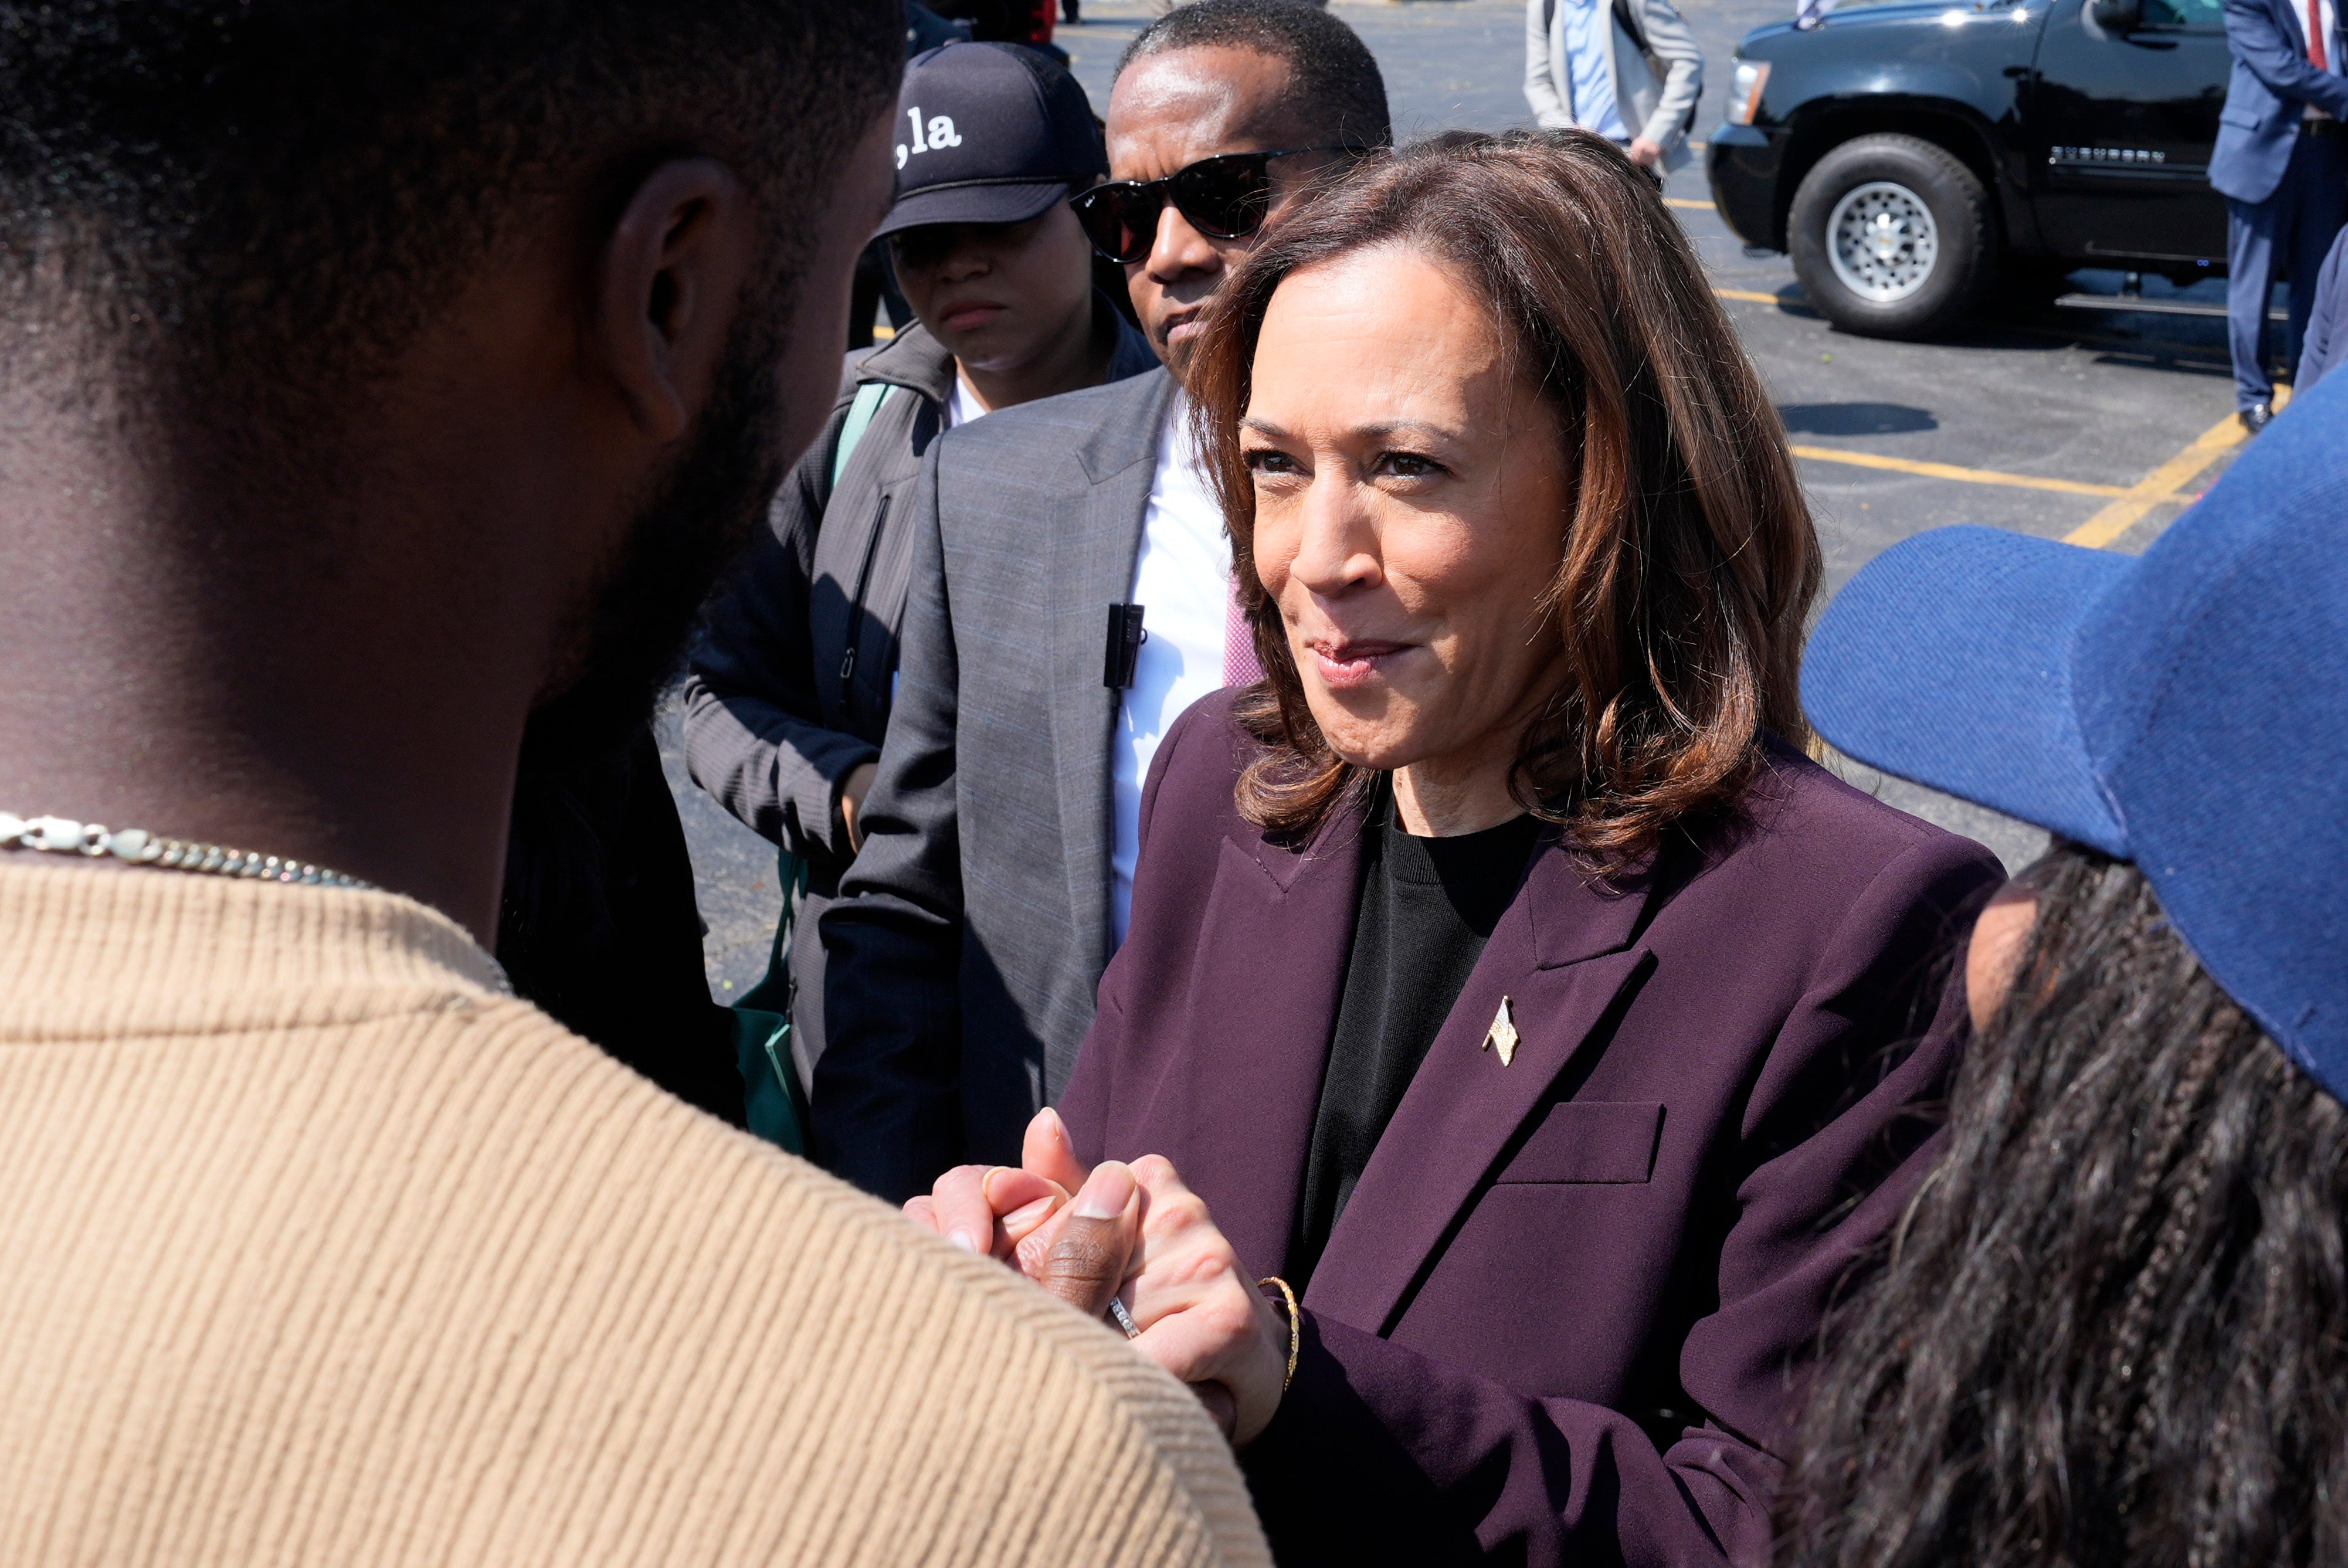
<point>1589,26</point>
<point>1182,581</point>
<point>961,406</point>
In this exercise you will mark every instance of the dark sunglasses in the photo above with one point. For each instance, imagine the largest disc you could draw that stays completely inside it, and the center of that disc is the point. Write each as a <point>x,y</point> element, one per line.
<point>1226,197</point>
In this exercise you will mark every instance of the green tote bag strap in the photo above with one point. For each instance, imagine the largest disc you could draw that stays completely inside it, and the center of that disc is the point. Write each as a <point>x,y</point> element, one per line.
<point>870,396</point>
<point>776,1105</point>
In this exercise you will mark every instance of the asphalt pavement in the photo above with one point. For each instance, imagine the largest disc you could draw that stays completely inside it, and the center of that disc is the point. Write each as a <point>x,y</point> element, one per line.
<point>2097,425</point>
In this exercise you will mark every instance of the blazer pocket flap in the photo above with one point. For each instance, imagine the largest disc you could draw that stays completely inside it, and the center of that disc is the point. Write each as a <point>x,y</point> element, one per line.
<point>2241,117</point>
<point>1589,1140</point>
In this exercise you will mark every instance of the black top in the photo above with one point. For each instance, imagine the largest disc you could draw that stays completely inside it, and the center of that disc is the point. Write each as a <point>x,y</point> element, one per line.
<point>1427,906</point>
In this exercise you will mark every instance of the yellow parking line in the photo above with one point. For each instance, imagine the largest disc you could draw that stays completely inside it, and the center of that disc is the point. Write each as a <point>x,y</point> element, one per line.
<point>2129,505</point>
<point>1950,471</point>
<point>2099,532</point>
<point>1683,201</point>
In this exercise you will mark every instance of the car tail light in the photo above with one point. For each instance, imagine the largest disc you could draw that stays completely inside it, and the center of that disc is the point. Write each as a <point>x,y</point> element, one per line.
<point>1745,90</point>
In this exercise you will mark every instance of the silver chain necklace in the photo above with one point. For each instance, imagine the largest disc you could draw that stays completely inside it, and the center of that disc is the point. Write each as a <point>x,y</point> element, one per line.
<point>64,836</point>
<point>138,847</point>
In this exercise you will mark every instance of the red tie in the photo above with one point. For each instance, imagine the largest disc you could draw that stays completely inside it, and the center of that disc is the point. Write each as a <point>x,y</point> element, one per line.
<point>1240,667</point>
<point>2315,33</point>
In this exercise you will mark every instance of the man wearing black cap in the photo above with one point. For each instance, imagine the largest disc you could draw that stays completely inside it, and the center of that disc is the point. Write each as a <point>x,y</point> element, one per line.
<point>790,688</point>
<point>1001,833</point>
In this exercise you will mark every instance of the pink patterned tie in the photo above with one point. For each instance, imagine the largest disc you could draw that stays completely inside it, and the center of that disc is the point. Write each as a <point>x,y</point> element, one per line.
<point>1240,667</point>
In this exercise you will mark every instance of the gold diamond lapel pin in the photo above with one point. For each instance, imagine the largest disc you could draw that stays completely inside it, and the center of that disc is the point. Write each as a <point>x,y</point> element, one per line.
<point>1502,1036</point>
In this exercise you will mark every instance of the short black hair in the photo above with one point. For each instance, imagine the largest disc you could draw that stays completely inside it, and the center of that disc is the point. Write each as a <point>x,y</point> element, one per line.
<point>1335,84</point>
<point>277,194</point>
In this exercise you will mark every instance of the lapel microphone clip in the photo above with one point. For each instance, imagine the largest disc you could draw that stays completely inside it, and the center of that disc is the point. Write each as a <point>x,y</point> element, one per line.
<point>1125,639</point>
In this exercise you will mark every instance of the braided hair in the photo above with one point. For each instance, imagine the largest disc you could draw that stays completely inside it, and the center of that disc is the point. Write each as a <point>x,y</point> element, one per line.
<point>2112,1327</point>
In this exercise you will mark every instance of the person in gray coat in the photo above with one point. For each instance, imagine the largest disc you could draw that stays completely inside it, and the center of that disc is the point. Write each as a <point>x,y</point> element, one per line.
<point>789,687</point>
<point>968,938</point>
<point>1627,69</point>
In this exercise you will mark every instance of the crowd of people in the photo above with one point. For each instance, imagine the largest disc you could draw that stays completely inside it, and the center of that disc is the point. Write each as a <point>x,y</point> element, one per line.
<point>1289,695</point>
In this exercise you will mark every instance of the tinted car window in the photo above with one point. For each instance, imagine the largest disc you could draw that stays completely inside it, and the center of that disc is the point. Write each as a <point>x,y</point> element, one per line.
<point>2198,13</point>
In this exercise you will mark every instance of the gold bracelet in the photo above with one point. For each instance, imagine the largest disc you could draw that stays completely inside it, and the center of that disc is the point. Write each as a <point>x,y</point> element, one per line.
<point>1295,1326</point>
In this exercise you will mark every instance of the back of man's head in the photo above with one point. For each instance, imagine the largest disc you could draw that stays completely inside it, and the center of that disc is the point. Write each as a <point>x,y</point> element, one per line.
<point>269,197</point>
<point>382,371</point>
<point>1335,90</point>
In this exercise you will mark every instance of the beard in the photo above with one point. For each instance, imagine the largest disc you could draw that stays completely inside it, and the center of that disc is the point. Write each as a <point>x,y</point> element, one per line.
<point>634,638</point>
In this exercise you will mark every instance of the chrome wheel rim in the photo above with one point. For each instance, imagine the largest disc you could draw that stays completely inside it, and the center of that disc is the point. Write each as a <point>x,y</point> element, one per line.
<point>1882,241</point>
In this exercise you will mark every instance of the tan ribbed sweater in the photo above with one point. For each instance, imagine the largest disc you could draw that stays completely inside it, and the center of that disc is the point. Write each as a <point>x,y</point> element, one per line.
<point>315,1249</point>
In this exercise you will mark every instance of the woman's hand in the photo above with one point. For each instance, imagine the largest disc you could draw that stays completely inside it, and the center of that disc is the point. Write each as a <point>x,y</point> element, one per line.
<point>1201,1316</point>
<point>1077,1248</point>
<point>853,790</point>
<point>1138,1232</point>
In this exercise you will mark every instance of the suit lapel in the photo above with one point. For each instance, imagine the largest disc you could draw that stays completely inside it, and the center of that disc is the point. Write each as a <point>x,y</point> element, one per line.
<point>1237,1116</point>
<point>1092,560</point>
<point>2294,27</point>
<point>1562,955</point>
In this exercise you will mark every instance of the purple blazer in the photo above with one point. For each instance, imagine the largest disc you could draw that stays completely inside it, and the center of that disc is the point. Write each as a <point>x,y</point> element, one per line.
<point>1562,1316</point>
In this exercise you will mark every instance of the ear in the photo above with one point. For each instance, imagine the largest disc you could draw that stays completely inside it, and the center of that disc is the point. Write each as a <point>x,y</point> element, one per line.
<point>671,277</point>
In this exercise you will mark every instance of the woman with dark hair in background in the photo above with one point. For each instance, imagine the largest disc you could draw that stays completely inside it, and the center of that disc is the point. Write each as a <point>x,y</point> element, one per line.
<point>1502,977</point>
<point>2112,1328</point>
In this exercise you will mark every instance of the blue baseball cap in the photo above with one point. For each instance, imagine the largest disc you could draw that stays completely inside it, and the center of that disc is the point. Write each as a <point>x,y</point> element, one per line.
<point>989,133</point>
<point>2187,709</point>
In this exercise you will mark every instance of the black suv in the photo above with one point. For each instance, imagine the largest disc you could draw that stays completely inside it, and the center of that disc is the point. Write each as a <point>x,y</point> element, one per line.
<point>1906,155</point>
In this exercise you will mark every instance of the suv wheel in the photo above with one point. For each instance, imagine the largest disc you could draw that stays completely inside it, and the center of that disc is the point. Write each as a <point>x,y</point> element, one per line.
<point>1891,237</point>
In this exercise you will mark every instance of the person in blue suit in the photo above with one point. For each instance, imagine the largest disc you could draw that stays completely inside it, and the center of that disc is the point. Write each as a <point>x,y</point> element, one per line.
<point>2281,164</point>
<point>2325,344</point>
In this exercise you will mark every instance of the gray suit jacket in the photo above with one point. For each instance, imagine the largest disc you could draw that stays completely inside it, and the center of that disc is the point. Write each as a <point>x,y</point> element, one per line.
<point>970,935</point>
<point>788,688</point>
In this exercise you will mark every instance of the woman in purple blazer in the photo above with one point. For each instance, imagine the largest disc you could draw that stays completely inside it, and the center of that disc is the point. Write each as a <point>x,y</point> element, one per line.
<point>1501,977</point>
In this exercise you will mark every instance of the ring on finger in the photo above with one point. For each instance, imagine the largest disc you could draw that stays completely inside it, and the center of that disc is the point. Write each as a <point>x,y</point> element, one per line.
<point>1123,1319</point>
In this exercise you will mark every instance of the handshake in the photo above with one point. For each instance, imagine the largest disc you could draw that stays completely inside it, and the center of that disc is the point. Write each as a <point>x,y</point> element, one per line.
<point>1134,1235</point>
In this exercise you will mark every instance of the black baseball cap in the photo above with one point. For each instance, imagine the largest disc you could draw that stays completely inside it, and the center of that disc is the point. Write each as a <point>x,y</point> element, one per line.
<point>989,133</point>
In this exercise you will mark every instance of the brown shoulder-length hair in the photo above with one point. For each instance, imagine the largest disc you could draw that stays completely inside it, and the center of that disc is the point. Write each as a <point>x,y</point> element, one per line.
<point>1689,562</point>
